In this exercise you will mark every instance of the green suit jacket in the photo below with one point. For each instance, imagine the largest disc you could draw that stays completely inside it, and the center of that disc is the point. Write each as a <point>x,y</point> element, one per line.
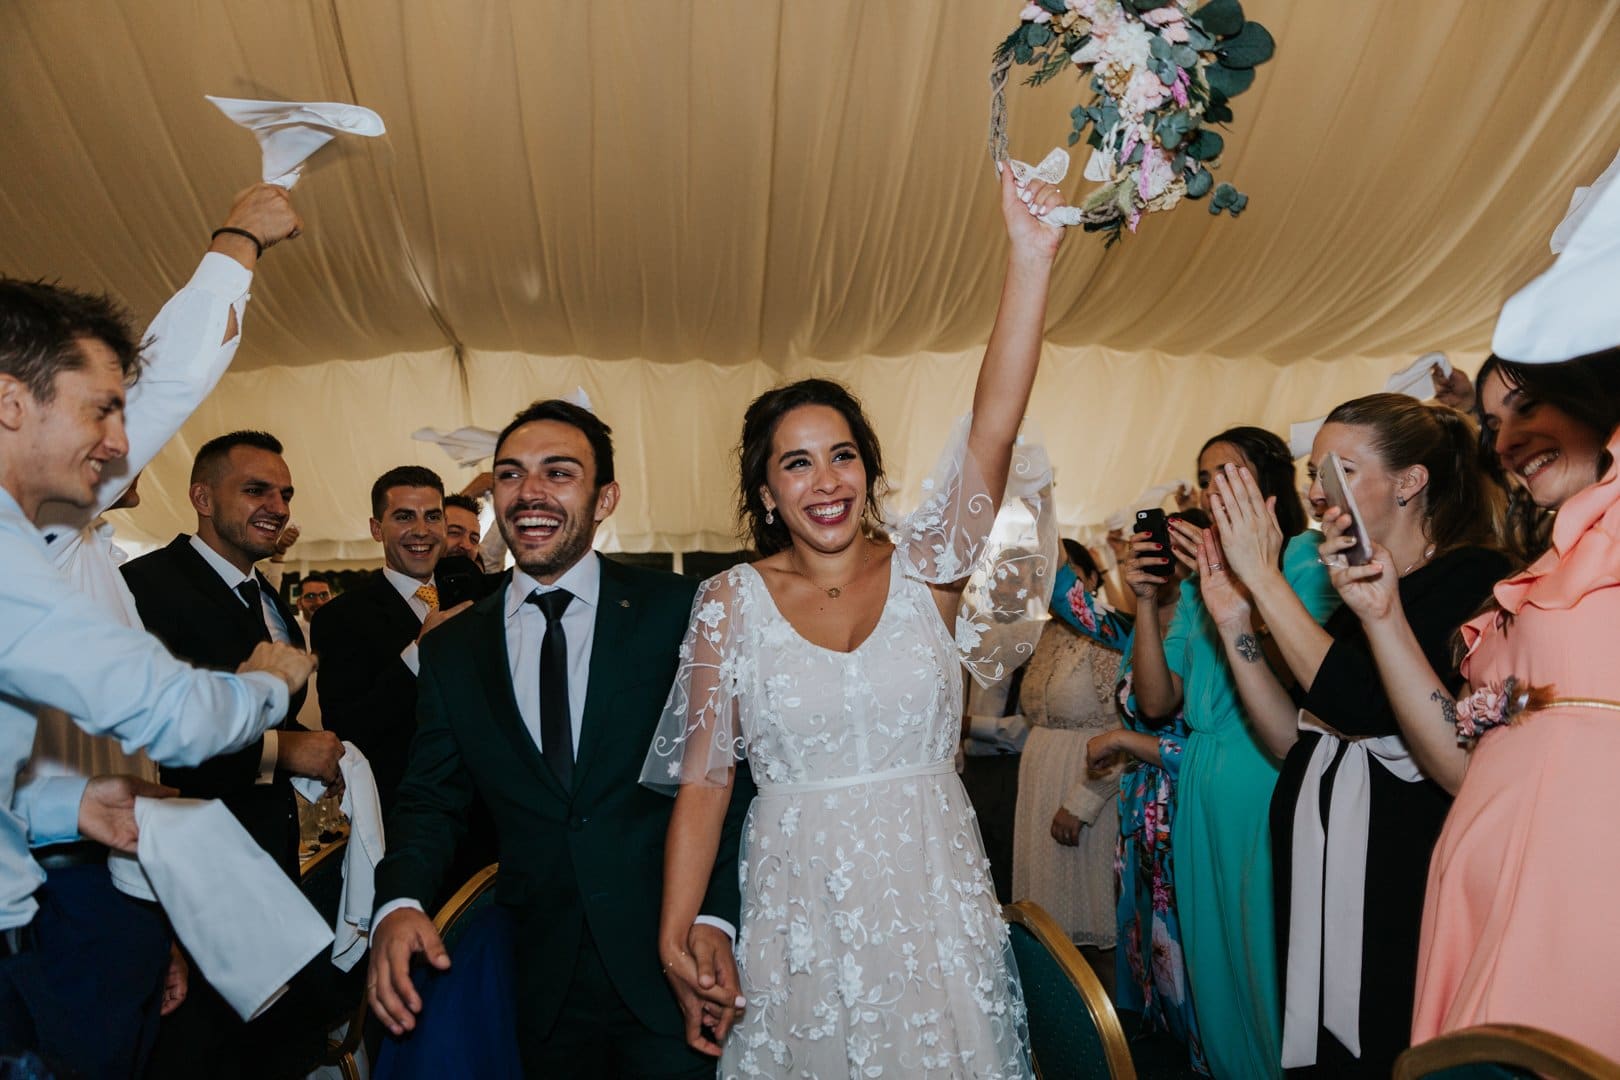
<point>591,857</point>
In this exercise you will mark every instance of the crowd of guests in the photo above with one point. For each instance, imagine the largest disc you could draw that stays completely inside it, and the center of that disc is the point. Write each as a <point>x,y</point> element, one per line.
<point>1360,804</point>
<point>1299,807</point>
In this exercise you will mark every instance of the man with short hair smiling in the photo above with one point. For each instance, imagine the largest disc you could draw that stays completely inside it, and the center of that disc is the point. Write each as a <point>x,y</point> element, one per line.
<point>66,360</point>
<point>461,528</point>
<point>543,699</point>
<point>367,638</point>
<point>314,592</point>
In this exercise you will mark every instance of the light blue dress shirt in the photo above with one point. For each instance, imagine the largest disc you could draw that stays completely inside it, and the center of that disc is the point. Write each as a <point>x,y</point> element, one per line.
<point>60,649</point>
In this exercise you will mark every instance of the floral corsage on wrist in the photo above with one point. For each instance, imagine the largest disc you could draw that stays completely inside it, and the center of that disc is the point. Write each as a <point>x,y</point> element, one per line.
<point>1497,706</point>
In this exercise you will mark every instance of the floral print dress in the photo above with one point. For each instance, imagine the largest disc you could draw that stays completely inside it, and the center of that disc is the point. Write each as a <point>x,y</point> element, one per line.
<point>1150,974</point>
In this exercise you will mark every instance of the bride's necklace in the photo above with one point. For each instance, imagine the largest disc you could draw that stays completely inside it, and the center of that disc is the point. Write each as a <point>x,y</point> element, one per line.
<point>833,591</point>
<point>1428,553</point>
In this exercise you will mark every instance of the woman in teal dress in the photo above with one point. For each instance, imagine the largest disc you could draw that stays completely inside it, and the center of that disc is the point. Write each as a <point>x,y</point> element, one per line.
<point>1221,834</point>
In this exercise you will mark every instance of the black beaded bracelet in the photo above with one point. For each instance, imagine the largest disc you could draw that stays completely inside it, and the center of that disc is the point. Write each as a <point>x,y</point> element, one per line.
<point>258,245</point>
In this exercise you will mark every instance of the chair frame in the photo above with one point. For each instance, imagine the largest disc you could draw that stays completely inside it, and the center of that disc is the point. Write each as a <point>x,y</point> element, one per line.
<point>1116,1048</point>
<point>458,904</point>
<point>1517,1045</point>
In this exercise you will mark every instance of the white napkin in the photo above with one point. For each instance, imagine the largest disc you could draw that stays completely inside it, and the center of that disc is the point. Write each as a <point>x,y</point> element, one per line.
<point>246,926</point>
<point>1574,307</point>
<point>1413,380</point>
<point>290,131</point>
<point>470,445</point>
<point>360,856</point>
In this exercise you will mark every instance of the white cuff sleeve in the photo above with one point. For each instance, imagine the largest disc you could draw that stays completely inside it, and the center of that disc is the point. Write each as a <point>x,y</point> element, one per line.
<point>393,906</point>
<point>408,655</point>
<point>721,924</point>
<point>267,758</point>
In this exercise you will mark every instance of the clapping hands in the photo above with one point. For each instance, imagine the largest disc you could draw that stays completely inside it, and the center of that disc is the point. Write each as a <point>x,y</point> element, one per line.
<point>1251,540</point>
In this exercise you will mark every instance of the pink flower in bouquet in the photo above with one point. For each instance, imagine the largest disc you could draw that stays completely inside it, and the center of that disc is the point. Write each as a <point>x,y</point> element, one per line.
<point>1171,22</point>
<point>1081,609</point>
<point>1479,711</point>
<point>1144,93</point>
<point>1155,173</point>
<point>1035,13</point>
<point>1178,89</point>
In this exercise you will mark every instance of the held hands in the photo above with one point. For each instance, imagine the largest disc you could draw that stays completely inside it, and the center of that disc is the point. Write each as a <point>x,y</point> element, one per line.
<point>292,666</point>
<point>1022,207</point>
<point>107,809</point>
<point>1247,522</point>
<point>1371,591</point>
<point>405,932</point>
<point>706,984</point>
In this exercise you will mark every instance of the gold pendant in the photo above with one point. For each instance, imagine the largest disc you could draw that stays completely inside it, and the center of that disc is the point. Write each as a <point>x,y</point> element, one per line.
<point>835,592</point>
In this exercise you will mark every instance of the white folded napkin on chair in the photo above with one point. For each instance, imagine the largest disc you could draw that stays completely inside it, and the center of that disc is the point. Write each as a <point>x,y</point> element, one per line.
<point>360,858</point>
<point>290,131</point>
<point>246,926</point>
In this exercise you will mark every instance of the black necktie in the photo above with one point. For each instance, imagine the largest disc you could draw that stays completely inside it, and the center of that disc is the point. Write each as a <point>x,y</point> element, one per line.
<point>556,729</point>
<point>249,592</point>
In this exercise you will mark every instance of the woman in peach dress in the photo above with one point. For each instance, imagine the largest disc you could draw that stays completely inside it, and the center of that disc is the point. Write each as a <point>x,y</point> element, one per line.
<point>1514,926</point>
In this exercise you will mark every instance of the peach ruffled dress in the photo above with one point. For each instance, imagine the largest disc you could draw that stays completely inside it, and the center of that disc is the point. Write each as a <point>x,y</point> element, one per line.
<point>1518,922</point>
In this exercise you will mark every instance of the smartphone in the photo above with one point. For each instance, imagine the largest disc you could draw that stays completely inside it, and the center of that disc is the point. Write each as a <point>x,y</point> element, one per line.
<point>1157,526</point>
<point>458,579</point>
<point>1337,490</point>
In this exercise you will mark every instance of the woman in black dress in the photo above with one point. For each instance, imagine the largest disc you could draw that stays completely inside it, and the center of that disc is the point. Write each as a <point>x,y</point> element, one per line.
<point>1353,816</point>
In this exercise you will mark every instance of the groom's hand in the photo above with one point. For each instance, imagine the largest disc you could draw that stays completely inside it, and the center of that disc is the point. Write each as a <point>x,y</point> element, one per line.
<point>712,1007</point>
<point>403,933</point>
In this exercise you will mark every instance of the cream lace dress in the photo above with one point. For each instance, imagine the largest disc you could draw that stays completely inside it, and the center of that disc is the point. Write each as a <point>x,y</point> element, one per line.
<point>1067,696</point>
<point>871,943</point>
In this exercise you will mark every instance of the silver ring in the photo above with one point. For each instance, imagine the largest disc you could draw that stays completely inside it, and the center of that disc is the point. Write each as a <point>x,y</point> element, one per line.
<point>1217,566</point>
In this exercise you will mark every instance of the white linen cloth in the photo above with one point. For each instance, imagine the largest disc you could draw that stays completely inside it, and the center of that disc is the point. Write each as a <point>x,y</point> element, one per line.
<point>246,926</point>
<point>364,851</point>
<point>1574,307</point>
<point>290,131</point>
<point>1325,927</point>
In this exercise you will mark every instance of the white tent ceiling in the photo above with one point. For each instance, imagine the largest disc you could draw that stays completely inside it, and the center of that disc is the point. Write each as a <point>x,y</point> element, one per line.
<point>676,204</point>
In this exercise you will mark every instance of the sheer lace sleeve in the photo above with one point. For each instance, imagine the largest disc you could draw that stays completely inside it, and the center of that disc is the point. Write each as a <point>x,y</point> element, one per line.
<point>699,737</point>
<point>1007,553</point>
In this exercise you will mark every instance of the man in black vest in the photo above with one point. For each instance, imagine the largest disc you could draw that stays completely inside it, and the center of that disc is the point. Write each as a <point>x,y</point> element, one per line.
<point>203,598</point>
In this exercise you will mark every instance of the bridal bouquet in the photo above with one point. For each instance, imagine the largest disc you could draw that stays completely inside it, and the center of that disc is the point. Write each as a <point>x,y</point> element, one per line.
<point>1161,72</point>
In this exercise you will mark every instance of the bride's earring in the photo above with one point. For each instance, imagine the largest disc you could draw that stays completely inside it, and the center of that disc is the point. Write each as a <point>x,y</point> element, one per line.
<point>1401,500</point>
<point>770,517</point>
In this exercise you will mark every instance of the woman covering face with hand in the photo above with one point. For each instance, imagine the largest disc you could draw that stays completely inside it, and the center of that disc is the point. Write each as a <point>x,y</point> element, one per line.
<point>1221,835</point>
<point>1353,817</point>
<point>1528,743</point>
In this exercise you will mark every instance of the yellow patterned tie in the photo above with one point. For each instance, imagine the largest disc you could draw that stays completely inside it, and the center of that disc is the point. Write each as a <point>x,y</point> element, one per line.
<point>429,596</point>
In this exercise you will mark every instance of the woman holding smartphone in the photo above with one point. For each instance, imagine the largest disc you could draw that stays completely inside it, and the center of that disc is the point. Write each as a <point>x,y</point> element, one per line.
<point>1528,863</point>
<point>1222,836</point>
<point>1353,817</point>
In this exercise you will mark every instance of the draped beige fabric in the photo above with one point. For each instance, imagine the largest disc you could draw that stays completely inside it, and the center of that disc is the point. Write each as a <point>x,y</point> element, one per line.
<point>676,204</point>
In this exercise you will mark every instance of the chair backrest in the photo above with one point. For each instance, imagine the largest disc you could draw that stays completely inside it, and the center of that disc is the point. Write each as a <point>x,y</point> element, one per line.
<point>321,879</point>
<point>453,917</point>
<point>1073,1028</point>
<point>1502,1051</point>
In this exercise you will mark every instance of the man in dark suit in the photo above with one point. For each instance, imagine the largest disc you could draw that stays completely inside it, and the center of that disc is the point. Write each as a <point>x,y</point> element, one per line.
<point>543,699</point>
<point>367,638</point>
<point>203,598</point>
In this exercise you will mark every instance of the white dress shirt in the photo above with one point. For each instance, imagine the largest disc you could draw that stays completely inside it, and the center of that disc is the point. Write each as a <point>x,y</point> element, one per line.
<point>232,577</point>
<point>525,631</point>
<point>406,586</point>
<point>186,356</point>
<point>59,648</point>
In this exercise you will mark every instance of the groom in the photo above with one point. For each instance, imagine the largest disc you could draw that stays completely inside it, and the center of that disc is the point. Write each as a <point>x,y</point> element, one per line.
<point>543,698</point>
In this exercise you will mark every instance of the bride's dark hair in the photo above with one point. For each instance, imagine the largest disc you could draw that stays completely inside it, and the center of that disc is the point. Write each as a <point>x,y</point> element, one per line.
<point>754,456</point>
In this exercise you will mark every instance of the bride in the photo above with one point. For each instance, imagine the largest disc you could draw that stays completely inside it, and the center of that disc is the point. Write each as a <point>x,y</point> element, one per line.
<point>871,943</point>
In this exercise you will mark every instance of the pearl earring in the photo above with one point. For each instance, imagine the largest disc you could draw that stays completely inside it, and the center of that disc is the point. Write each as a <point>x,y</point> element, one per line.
<point>770,517</point>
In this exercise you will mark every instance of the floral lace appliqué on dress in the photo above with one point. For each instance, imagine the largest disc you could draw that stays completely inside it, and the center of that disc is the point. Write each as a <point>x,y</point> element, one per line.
<point>871,943</point>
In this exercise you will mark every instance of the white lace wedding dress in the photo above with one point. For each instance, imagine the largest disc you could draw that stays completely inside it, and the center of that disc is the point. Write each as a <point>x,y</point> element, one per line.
<point>871,942</point>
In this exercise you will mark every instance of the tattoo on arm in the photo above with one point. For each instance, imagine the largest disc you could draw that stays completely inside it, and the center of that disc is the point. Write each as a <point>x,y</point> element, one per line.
<point>1247,647</point>
<point>1448,707</point>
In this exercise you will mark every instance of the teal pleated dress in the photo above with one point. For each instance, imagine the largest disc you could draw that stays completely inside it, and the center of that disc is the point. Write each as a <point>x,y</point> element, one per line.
<point>1222,837</point>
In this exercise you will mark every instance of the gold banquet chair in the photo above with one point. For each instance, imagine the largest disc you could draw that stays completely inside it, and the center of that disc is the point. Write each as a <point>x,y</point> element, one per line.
<point>321,881</point>
<point>1073,1030</point>
<point>453,917</point>
<point>1503,1052</point>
